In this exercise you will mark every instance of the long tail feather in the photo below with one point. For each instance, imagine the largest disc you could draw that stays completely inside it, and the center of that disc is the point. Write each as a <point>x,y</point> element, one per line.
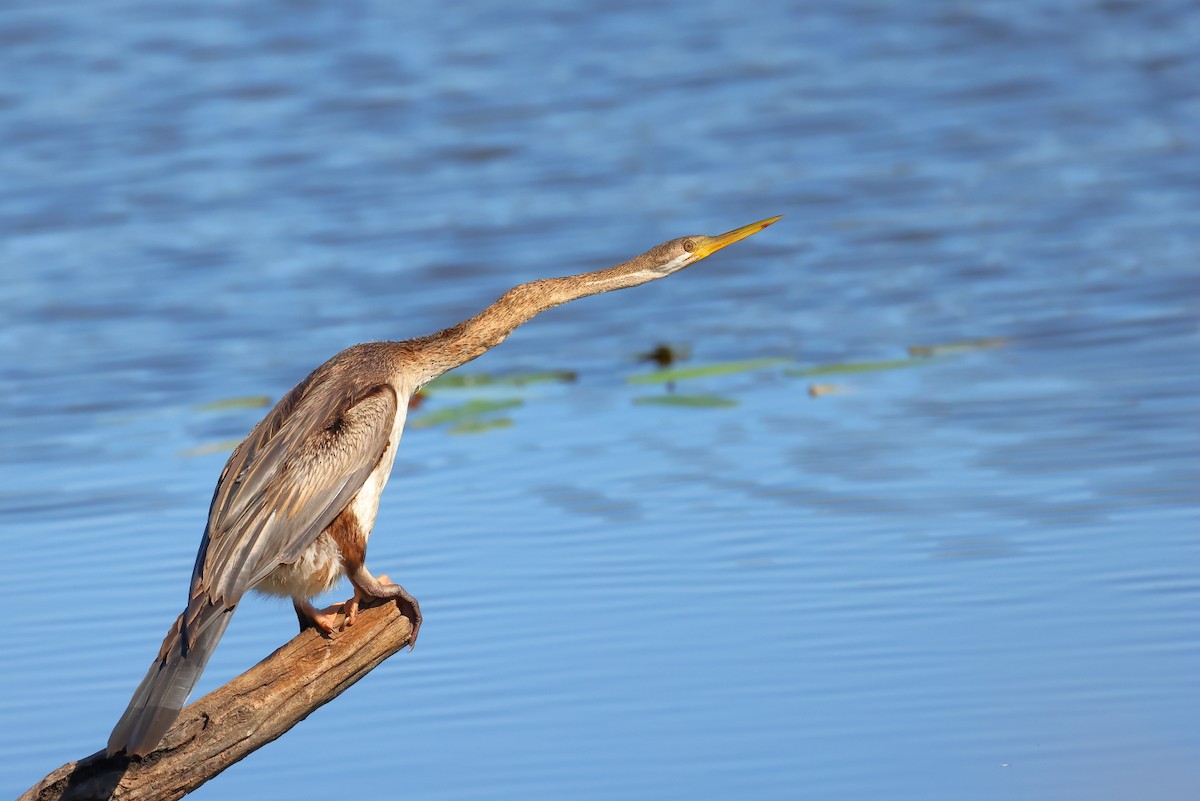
<point>160,696</point>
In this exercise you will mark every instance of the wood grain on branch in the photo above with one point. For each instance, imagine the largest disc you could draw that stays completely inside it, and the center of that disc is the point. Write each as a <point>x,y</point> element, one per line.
<point>234,720</point>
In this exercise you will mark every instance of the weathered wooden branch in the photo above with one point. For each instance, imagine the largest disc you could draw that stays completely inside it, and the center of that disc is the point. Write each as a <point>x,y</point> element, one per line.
<point>234,720</point>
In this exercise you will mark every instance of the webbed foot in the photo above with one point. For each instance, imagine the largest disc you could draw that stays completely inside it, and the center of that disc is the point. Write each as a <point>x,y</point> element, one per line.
<point>324,620</point>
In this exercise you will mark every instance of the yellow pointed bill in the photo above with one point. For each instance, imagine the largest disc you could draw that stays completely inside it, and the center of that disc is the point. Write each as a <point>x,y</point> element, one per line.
<point>708,245</point>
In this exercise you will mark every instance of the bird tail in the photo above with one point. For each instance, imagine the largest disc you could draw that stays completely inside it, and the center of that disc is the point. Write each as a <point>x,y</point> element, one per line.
<point>173,674</point>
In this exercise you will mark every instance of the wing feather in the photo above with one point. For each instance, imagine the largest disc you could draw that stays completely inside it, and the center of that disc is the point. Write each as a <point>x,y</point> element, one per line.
<point>287,481</point>
<point>295,472</point>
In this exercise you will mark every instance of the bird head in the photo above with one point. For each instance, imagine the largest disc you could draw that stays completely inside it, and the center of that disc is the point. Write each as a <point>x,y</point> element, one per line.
<point>672,256</point>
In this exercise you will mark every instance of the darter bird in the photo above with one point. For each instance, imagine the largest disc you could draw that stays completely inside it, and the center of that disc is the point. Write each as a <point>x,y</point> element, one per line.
<point>296,502</point>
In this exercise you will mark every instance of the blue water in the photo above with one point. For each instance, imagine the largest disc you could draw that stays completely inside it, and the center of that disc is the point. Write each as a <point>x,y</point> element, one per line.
<point>976,578</point>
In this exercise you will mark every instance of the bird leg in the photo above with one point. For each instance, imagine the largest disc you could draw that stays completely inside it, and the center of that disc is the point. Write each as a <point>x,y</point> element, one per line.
<point>369,590</point>
<point>324,620</point>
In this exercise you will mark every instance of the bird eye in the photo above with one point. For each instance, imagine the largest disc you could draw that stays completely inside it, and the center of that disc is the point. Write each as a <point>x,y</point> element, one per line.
<point>689,245</point>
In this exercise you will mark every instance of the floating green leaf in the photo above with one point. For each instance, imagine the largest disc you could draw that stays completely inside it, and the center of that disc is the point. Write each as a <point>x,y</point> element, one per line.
<point>479,426</point>
<point>245,402</point>
<point>856,367</point>
<point>223,446</point>
<point>963,346</point>
<point>706,371</point>
<point>464,411</point>
<point>691,401</point>
<point>469,380</point>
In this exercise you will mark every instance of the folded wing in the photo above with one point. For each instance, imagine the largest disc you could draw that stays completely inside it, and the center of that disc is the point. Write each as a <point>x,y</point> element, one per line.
<point>295,472</point>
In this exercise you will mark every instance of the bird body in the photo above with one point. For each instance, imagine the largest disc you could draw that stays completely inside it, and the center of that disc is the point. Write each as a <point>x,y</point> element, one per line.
<point>295,504</point>
<point>322,564</point>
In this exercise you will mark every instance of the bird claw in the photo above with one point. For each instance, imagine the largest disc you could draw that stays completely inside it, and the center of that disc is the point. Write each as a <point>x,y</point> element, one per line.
<point>350,610</point>
<point>410,609</point>
<point>390,591</point>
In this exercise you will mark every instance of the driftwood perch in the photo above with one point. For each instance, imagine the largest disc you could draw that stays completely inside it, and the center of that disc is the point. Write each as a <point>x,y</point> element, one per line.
<point>229,723</point>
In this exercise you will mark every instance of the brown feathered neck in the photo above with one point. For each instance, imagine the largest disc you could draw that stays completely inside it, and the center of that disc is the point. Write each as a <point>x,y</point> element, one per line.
<point>431,356</point>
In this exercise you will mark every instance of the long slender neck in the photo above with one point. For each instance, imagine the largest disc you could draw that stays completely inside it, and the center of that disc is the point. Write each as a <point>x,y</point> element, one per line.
<point>472,338</point>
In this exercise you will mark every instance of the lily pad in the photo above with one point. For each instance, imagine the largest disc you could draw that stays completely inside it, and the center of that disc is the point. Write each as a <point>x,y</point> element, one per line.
<point>691,401</point>
<point>209,448</point>
<point>856,367</point>
<point>479,426</point>
<point>470,380</point>
<point>244,402</point>
<point>706,371</point>
<point>464,412</point>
